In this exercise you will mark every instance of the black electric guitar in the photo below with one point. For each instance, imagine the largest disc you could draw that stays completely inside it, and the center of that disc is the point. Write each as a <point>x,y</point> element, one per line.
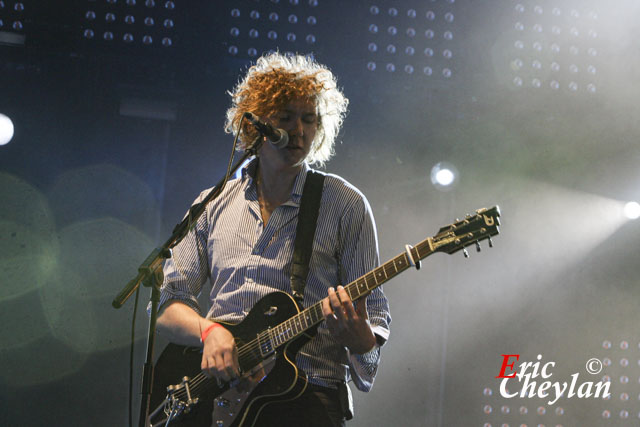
<point>269,338</point>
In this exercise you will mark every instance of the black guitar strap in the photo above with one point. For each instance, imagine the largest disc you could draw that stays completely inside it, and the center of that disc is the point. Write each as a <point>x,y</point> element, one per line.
<point>302,249</point>
<point>305,232</point>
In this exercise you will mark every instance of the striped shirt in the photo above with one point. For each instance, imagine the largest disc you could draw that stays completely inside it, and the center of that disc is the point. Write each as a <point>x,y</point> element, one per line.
<point>244,260</point>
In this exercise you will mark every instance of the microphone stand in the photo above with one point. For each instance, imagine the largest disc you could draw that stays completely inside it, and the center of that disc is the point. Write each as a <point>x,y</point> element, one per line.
<point>150,275</point>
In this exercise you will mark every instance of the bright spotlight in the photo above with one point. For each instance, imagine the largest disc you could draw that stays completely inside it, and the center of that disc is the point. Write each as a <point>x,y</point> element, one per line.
<point>632,210</point>
<point>443,175</point>
<point>6,129</point>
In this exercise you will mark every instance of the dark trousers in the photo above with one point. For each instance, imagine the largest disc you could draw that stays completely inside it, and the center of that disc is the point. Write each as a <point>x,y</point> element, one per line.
<point>316,407</point>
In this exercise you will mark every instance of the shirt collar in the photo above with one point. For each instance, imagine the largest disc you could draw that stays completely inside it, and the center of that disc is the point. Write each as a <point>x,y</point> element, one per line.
<point>249,173</point>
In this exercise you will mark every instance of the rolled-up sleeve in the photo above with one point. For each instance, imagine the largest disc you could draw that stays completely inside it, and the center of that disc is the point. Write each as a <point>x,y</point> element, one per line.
<point>187,270</point>
<point>359,256</point>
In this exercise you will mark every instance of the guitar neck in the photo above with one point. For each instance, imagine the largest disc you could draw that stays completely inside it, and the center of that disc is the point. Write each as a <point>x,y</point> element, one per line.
<point>311,316</point>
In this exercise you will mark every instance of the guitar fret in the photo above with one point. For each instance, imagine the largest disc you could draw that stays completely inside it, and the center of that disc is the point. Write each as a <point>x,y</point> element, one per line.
<point>287,331</point>
<point>362,286</point>
<point>391,267</point>
<point>381,275</point>
<point>366,282</point>
<point>415,255</point>
<point>293,327</point>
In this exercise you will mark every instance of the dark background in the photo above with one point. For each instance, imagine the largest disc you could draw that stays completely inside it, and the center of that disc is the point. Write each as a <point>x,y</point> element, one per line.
<point>113,140</point>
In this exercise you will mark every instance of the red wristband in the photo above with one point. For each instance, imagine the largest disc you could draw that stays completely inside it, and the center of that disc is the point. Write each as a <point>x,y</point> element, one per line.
<point>206,332</point>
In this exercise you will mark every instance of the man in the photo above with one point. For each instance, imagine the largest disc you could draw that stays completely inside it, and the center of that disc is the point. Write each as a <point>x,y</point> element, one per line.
<point>243,244</point>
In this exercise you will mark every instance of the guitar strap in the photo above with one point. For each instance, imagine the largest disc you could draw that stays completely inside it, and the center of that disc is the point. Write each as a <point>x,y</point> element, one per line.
<point>302,249</point>
<point>305,232</point>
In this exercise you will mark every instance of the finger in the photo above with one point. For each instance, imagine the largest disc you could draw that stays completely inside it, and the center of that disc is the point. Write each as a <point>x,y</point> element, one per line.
<point>229,368</point>
<point>236,363</point>
<point>361,308</point>
<point>336,305</point>
<point>347,304</point>
<point>326,308</point>
<point>221,368</point>
<point>209,366</point>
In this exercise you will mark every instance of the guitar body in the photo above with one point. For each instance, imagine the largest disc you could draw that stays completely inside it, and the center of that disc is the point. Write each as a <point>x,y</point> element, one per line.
<point>265,380</point>
<point>271,335</point>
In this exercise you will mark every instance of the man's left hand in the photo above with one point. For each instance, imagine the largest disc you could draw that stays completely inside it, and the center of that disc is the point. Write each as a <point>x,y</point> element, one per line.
<point>349,326</point>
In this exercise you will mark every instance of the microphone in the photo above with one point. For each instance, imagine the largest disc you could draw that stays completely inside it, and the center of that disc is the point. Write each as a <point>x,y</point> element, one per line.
<point>277,137</point>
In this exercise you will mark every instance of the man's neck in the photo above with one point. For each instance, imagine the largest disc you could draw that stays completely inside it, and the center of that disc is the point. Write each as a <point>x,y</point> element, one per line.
<point>275,186</point>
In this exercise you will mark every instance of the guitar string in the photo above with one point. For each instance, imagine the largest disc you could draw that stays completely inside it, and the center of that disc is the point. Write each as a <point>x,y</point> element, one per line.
<point>253,346</point>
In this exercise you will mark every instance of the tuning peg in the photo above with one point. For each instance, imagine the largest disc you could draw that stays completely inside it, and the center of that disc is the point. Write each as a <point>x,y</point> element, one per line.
<point>490,242</point>
<point>478,248</point>
<point>466,254</point>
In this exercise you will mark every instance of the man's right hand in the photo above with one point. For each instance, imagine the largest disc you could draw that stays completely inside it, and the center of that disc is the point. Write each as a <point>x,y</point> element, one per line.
<point>220,355</point>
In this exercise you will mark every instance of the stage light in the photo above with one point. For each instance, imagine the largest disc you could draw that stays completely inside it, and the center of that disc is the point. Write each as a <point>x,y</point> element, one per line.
<point>632,210</point>
<point>6,129</point>
<point>443,175</point>
<point>389,26</point>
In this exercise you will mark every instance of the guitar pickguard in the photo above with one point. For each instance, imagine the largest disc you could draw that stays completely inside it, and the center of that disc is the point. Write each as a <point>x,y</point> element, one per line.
<point>228,406</point>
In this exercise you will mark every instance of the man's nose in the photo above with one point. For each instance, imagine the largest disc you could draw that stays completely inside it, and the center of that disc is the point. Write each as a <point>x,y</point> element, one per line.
<point>298,128</point>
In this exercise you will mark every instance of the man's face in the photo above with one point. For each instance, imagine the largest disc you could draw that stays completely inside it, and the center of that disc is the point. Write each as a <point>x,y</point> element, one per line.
<point>300,120</point>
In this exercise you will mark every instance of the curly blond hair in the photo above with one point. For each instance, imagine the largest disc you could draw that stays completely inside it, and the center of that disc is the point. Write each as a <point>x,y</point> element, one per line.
<point>275,81</point>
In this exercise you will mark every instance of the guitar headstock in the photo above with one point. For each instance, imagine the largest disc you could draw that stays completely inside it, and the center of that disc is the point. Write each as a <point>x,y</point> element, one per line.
<point>472,229</point>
